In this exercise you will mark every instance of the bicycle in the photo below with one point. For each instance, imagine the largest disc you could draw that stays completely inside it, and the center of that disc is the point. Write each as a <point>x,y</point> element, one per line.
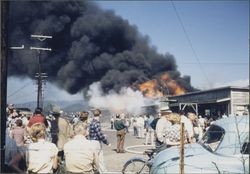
<point>138,165</point>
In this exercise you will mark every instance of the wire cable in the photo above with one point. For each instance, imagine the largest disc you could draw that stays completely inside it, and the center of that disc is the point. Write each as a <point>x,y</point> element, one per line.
<point>190,43</point>
<point>13,93</point>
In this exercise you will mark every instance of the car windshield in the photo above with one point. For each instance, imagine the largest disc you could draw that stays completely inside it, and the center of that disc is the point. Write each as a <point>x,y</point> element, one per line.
<point>212,138</point>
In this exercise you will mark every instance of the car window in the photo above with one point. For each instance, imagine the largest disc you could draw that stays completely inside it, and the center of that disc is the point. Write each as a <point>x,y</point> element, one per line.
<point>245,146</point>
<point>212,137</point>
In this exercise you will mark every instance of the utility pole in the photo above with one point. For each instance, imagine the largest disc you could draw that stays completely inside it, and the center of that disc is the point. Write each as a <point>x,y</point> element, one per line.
<point>182,150</point>
<point>40,76</point>
<point>4,6</point>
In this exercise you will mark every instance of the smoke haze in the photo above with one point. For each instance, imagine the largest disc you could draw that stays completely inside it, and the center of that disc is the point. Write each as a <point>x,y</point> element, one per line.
<point>126,100</point>
<point>89,45</point>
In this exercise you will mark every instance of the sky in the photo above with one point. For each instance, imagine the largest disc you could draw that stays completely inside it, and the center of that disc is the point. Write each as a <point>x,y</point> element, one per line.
<point>209,40</point>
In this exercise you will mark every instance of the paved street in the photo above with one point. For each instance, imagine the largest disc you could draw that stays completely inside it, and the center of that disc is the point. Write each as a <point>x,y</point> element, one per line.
<point>114,161</point>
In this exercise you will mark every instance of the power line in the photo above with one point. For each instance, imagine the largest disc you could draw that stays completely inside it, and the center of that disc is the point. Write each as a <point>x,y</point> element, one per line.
<point>189,41</point>
<point>13,93</point>
<point>218,63</point>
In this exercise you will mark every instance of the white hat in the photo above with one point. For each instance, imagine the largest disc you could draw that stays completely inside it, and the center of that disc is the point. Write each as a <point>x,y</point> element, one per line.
<point>164,108</point>
<point>11,106</point>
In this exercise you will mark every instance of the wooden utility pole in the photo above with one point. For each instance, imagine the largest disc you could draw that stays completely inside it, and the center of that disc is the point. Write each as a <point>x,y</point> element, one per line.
<point>3,74</point>
<point>182,150</point>
<point>40,76</point>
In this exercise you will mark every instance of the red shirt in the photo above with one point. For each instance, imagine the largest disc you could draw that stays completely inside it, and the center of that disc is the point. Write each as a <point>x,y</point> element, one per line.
<point>38,118</point>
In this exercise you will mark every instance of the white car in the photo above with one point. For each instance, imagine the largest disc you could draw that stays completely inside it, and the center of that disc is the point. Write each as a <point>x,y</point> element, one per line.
<point>224,148</point>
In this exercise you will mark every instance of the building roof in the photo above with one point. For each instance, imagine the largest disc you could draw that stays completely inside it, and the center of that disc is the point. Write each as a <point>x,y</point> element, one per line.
<point>216,89</point>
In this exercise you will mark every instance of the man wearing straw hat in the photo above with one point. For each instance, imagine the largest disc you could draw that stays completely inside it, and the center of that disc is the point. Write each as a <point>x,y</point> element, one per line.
<point>162,125</point>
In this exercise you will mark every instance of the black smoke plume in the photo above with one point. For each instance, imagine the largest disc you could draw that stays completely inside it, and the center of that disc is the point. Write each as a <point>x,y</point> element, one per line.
<point>88,45</point>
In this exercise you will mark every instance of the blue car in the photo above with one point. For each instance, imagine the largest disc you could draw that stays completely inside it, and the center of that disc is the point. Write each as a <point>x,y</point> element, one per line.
<point>224,148</point>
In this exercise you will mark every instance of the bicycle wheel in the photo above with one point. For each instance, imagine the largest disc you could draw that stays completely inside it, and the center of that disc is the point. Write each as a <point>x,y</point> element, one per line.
<point>61,169</point>
<point>135,166</point>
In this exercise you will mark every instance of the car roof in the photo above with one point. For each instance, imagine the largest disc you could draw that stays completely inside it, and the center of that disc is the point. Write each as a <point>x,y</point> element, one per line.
<point>236,133</point>
<point>230,123</point>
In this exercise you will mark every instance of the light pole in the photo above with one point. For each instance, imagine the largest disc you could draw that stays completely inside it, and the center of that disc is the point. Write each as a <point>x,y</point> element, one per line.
<point>4,6</point>
<point>40,76</point>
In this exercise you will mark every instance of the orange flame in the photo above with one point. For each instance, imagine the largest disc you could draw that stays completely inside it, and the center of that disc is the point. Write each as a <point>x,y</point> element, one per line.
<point>154,88</point>
<point>177,89</point>
<point>149,89</point>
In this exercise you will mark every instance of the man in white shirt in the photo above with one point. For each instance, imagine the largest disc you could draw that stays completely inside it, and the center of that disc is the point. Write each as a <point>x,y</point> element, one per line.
<point>162,125</point>
<point>188,126</point>
<point>140,126</point>
<point>81,155</point>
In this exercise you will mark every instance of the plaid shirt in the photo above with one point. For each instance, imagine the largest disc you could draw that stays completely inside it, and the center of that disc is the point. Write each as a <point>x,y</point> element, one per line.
<point>173,133</point>
<point>95,132</point>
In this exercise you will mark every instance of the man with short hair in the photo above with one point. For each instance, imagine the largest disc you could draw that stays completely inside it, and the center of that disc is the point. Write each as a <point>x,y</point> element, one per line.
<point>120,134</point>
<point>96,135</point>
<point>83,117</point>
<point>38,117</point>
<point>81,155</point>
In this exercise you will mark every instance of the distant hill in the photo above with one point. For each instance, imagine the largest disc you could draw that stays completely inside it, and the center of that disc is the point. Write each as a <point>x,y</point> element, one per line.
<point>66,106</point>
<point>74,107</point>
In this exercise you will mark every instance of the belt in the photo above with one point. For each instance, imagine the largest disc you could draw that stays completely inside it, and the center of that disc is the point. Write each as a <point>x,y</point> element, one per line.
<point>121,129</point>
<point>30,172</point>
<point>88,172</point>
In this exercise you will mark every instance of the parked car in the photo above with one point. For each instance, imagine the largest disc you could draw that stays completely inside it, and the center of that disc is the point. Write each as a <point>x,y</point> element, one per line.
<point>224,148</point>
<point>25,111</point>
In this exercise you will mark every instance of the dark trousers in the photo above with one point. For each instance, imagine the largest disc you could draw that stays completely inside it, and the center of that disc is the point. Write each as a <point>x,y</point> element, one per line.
<point>160,146</point>
<point>120,140</point>
<point>135,131</point>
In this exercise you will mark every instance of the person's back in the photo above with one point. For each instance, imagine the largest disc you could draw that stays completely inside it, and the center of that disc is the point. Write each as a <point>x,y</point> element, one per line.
<point>38,117</point>
<point>18,132</point>
<point>80,153</point>
<point>97,137</point>
<point>41,154</point>
<point>120,134</point>
<point>13,157</point>
<point>149,130</point>
<point>119,124</point>
<point>63,132</point>
<point>95,132</point>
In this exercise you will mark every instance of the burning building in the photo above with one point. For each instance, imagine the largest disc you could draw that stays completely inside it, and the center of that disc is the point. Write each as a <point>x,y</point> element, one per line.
<point>161,86</point>
<point>89,45</point>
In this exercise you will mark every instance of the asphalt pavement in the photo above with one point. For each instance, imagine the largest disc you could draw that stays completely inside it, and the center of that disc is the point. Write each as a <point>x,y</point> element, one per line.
<point>134,148</point>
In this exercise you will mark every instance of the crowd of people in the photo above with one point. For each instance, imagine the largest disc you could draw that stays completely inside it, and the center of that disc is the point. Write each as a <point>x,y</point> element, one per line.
<point>40,144</point>
<point>161,130</point>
